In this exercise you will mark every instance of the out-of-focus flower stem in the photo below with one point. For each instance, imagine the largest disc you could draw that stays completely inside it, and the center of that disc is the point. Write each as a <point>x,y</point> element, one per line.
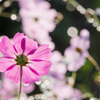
<point>71,80</point>
<point>73,2</point>
<point>20,83</point>
<point>4,14</point>
<point>74,77</point>
<point>58,18</point>
<point>92,60</point>
<point>88,13</point>
<point>6,4</point>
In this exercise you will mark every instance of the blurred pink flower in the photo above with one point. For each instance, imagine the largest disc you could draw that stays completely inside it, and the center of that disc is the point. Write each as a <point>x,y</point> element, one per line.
<point>46,40</point>
<point>78,51</point>
<point>25,4</point>
<point>40,38</point>
<point>58,69</point>
<point>10,89</point>
<point>23,97</point>
<point>4,95</point>
<point>38,19</point>
<point>64,91</point>
<point>25,53</point>
<point>56,57</point>
<point>77,95</point>
<point>55,98</point>
<point>51,99</point>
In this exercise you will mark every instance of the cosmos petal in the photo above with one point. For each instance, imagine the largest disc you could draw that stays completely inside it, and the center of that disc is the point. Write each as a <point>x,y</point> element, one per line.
<point>17,42</point>
<point>49,26</point>
<point>41,67</point>
<point>6,47</point>
<point>43,53</point>
<point>75,41</point>
<point>29,76</point>
<point>28,45</point>
<point>76,64</point>
<point>14,74</point>
<point>44,5</point>
<point>5,63</point>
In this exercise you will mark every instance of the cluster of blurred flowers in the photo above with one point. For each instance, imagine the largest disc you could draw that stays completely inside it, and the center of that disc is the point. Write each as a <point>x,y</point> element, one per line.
<point>38,19</point>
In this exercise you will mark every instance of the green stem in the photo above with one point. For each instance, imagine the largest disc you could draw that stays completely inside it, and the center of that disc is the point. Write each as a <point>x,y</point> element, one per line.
<point>20,83</point>
<point>93,15</point>
<point>92,60</point>
<point>4,14</point>
<point>74,77</point>
<point>4,7</point>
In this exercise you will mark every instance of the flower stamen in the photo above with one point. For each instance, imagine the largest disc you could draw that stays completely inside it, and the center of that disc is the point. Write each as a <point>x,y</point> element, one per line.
<point>36,19</point>
<point>21,60</point>
<point>78,50</point>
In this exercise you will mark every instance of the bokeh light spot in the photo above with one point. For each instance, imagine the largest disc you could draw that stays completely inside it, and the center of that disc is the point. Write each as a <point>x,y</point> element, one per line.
<point>72,31</point>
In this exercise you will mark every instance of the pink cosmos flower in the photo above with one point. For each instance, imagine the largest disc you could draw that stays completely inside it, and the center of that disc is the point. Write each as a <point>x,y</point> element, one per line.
<point>23,97</point>
<point>25,4</point>
<point>77,95</point>
<point>78,51</point>
<point>51,98</point>
<point>56,57</point>
<point>64,91</point>
<point>37,19</point>
<point>24,53</point>
<point>58,69</point>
